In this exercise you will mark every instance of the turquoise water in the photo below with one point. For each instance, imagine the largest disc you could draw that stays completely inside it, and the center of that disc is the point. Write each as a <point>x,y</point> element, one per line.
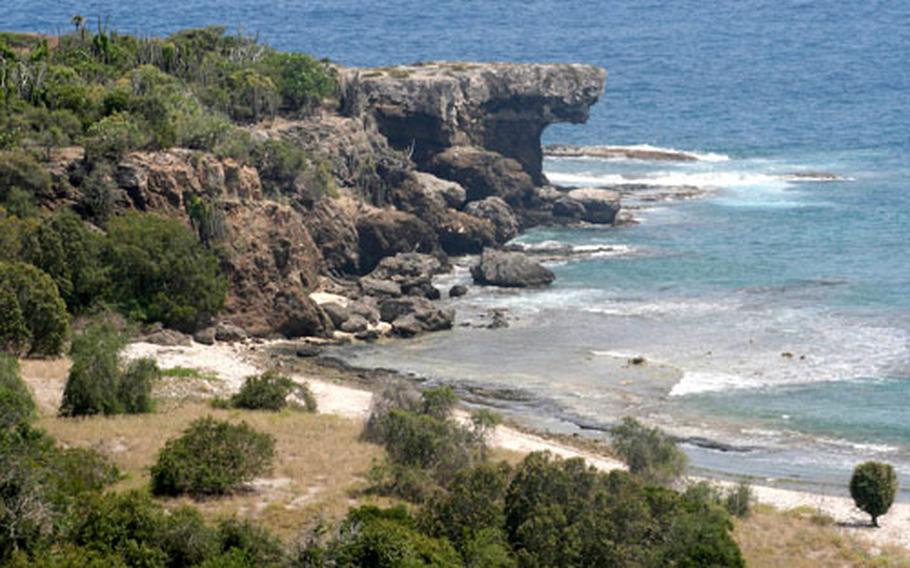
<point>716,288</point>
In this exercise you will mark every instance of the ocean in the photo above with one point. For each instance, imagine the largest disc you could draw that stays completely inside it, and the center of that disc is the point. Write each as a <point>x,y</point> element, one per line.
<point>773,312</point>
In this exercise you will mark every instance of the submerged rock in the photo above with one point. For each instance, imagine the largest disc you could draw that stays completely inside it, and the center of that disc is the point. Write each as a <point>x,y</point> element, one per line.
<point>511,270</point>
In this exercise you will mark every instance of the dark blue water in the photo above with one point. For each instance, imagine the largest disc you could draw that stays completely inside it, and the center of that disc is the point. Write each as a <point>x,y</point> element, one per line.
<point>720,288</point>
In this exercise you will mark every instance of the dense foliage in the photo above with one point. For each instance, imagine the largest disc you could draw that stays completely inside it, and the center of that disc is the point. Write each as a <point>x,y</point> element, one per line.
<point>16,404</point>
<point>212,457</point>
<point>35,317</point>
<point>873,487</point>
<point>160,272</point>
<point>271,391</point>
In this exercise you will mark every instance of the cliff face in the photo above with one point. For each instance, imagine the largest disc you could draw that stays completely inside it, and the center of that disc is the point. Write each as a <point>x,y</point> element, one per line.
<point>431,160</point>
<point>499,107</point>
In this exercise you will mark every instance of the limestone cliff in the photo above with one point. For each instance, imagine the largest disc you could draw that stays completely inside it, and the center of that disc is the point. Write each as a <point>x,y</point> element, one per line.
<point>499,107</point>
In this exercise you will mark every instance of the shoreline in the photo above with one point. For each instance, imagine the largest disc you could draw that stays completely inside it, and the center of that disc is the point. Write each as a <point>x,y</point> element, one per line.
<point>343,391</point>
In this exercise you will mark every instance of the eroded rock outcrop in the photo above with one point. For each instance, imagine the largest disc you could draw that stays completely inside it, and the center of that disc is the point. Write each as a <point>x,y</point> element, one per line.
<point>510,270</point>
<point>500,107</point>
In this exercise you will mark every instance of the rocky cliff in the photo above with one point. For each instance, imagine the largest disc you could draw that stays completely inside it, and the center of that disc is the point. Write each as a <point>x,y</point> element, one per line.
<point>429,160</point>
<point>504,108</point>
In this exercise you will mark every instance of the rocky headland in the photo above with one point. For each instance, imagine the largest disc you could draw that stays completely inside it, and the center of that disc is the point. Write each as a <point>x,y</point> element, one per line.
<point>429,160</point>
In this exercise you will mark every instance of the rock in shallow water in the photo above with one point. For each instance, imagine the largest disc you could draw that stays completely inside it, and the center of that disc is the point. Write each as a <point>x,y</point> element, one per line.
<point>511,270</point>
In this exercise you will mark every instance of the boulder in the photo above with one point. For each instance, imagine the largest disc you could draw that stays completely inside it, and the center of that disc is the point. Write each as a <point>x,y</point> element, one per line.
<point>168,338</point>
<point>387,232</point>
<point>511,270</point>
<point>497,212</point>
<point>205,336</point>
<point>601,205</point>
<point>414,313</point>
<point>365,310</point>
<point>457,291</point>
<point>483,173</point>
<point>379,288</point>
<point>411,272</point>
<point>336,312</point>
<point>296,315</point>
<point>460,233</point>
<point>565,206</point>
<point>228,332</point>
<point>355,324</point>
<point>451,193</point>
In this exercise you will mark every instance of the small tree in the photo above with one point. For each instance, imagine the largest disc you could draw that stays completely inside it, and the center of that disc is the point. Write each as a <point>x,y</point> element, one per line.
<point>41,308</point>
<point>649,452</point>
<point>873,488</point>
<point>212,457</point>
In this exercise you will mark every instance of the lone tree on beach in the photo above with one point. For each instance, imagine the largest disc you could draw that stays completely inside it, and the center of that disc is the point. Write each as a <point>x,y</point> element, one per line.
<point>873,487</point>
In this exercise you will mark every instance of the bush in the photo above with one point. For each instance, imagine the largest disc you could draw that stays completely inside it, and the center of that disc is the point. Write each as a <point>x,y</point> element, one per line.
<point>42,311</point>
<point>279,163</point>
<point>162,273</point>
<point>135,389</point>
<point>212,457</point>
<point>128,525</point>
<point>186,539</point>
<point>565,513</point>
<point>649,452</point>
<point>16,404</point>
<point>19,169</point>
<point>98,197</point>
<point>244,540</point>
<point>270,391</point>
<point>97,383</point>
<point>14,333</point>
<point>93,384</point>
<point>67,250</point>
<point>873,488</point>
<point>386,538</point>
<point>112,137</point>
<point>41,486</point>
<point>302,81</point>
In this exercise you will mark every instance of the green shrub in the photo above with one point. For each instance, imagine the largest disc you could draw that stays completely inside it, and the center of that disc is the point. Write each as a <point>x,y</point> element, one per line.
<point>21,170</point>
<point>649,452</point>
<point>302,81</point>
<point>270,391</point>
<point>98,194</point>
<point>386,538</point>
<point>212,457</point>
<point>112,137</point>
<point>14,333</point>
<point>186,539</point>
<point>41,486</point>
<point>162,273</point>
<point>16,404</point>
<point>243,540</point>
<point>135,389</point>
<point>66,249</point>
<point>279,163</point>
<point>20,203</point>
<point>42,310</point>
<point>128,525</point>
<point>253,96</point>
<point>873,487</point>
<point>93,385</point>
<point>98,383</point>
<point>565,513</point>
<point>473,503</point>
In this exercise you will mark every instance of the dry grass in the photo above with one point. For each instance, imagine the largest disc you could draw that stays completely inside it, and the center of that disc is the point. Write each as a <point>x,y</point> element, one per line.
<point>319,471</point>
<point>802,538</point>
<point>46,379</point>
